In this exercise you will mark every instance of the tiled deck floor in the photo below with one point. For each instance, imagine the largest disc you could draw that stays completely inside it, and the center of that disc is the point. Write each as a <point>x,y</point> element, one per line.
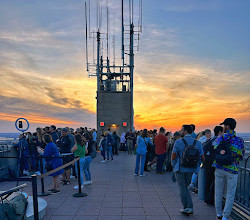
<point>117,194</point>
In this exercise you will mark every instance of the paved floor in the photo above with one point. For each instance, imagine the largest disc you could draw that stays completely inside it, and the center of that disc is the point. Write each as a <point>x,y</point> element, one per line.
<point>117,194</point>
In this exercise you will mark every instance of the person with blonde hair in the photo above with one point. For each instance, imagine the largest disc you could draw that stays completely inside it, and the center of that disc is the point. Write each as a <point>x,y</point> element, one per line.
<point>39,133</point>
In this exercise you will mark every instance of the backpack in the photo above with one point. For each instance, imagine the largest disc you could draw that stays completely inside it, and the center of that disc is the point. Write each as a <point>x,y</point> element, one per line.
<point>223,154</point>
<point>190,155</point>
<point>208,153</point>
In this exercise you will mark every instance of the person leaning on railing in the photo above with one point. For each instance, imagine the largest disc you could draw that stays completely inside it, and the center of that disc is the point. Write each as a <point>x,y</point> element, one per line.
<point>52,163</point>
<point>229,150</point>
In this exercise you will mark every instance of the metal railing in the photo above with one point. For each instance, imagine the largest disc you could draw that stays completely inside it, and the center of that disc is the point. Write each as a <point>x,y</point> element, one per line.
<point>7,150</point>
<point>242,196</point>
<point>33,179</point>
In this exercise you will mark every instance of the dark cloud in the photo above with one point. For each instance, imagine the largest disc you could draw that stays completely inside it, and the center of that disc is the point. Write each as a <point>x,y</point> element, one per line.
<point>57,96</point>
<point>19,106</point>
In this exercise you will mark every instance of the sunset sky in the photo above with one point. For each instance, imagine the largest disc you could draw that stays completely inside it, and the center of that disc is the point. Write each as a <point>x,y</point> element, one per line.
<point>193,65</point>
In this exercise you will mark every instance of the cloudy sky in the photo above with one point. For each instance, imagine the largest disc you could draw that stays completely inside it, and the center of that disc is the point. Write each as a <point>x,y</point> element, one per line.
<point>193,64</point>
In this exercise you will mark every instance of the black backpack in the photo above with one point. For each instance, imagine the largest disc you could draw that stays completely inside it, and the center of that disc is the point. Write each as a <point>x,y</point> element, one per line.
<point>208,153</point>
<point>190,156</point>
<point>223,154</point>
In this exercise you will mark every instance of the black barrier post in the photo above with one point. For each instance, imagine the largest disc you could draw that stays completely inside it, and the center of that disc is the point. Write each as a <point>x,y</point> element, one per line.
<point>79,194</point>
<point>42,179</point>
<point>35,199</point>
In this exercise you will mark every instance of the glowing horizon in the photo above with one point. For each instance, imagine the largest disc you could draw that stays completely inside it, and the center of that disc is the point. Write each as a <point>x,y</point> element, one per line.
<point>192,67</point>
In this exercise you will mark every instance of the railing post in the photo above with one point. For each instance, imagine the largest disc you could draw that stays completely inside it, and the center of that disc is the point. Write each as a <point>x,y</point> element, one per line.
<point>79,194</point>
<point>42,179</point>
<point>35,198</point>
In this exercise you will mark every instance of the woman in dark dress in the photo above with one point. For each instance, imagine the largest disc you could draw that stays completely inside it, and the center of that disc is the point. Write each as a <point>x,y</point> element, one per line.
<point>52,163</point>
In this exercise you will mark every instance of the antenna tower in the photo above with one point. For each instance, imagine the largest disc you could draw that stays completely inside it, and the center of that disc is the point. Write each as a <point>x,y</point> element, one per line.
<point>115,76</point>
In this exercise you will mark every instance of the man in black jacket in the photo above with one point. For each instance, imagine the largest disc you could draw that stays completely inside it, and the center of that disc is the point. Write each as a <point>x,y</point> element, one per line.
<point>64,145</point>
<point>208,148</point>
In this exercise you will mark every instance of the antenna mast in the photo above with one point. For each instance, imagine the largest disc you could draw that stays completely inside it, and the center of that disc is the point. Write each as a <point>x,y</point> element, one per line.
<point>120,80</point>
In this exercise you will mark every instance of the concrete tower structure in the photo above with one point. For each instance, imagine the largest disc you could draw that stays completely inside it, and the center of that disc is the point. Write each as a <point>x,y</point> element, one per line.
<point>114,82</point>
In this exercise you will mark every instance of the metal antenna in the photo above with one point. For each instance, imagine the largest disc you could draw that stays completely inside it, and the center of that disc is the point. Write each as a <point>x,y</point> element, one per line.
<point>132,11</point>
<point>122,35</point>
<point>107,33</point>
<point>89,20</point>
<point>93,48</point>
<point>97,14</point>
<point>141,16</point>
<point>114,51</point>
<point>129,11</point>
<point>100,17</point>
<point>86,36</point>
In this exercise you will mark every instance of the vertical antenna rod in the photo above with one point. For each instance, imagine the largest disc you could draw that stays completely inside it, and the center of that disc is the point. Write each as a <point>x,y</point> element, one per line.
<point>122,37</point>
<point>132,11</point>
<point>114,43</point>
<point>107,36</point>
<point>86,35</point>
<point>97,14</point>
<point>141,16</point>
<point>89,19</point>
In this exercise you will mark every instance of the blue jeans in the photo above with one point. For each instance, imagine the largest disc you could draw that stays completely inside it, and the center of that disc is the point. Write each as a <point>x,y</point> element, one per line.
<point>25,162</point>
<point>34,162</point>
<point>109,151</point>
<point>82,162</point>
<point>103,154</point>
<point>86,168</point>
<point>140,159</point>
<point>160,161</point>
<point>183,180</point>
<point>222,179</point>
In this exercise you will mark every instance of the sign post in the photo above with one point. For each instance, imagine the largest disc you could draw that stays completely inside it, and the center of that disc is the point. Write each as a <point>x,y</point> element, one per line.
<point>20,127</point>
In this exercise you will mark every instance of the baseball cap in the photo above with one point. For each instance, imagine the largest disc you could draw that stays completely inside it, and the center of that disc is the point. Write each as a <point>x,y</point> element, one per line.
<point>229,121</point>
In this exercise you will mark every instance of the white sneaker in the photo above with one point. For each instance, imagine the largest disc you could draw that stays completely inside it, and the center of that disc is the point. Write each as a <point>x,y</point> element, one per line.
<point>38,173</point>
<point>77,187</point>
<point>87,183</point>
<point>136,174</point>
<point>25,172</point>
<point>191,186</point>
<point>142,175</point>
<point>103,161</point>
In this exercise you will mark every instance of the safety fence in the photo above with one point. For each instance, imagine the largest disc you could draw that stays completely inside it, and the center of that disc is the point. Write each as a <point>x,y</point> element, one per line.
<point>243,187</point>
<point>34,180</point>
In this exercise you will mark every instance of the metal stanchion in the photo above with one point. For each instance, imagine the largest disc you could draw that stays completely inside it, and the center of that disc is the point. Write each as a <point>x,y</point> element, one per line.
<point>42,179</point>
<point>79,194</point>
<point>35,199</point>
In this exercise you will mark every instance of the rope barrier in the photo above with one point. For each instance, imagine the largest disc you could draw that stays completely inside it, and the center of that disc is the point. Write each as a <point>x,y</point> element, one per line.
<point>58,168</point>
<point>34,178</point>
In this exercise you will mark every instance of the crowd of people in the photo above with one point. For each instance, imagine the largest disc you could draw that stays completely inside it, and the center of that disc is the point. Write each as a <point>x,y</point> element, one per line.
<point>184,153</point>
<point>216,155</point>
<point>57,147</point>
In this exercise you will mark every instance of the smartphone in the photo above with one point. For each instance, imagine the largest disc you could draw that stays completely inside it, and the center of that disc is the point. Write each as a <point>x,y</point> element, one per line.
<point>20,125</point>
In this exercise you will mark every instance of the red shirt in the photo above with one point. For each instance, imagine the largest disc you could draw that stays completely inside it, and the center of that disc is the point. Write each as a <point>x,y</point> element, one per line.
<point>160,144</point>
